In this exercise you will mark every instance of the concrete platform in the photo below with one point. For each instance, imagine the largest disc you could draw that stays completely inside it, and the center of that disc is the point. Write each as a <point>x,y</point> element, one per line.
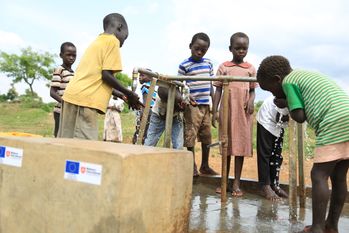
<point>50,185</point>
<point>248,214</point>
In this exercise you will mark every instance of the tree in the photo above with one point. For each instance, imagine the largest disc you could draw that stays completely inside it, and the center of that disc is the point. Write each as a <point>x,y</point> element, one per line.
<point>124,79</point>
<point>28,67</point>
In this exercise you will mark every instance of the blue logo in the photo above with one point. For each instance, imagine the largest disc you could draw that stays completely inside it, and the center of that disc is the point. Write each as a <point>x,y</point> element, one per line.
<point>2,151</point>
<point>72,167</point>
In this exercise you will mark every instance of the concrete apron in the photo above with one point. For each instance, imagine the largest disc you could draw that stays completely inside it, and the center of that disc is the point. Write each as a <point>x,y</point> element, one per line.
<point>248,214</point>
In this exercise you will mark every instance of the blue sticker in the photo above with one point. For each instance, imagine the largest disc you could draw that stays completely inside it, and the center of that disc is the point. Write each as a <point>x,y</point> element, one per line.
<point>2,151</point>
<point>72,167</point>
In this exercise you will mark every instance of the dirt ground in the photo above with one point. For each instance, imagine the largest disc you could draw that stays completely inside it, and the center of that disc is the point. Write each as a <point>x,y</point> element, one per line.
<point>250,166</point>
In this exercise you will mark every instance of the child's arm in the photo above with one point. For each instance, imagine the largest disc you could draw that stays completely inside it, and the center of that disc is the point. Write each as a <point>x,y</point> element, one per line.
<point>250,103</point>
<point>298,115</point>
<point>54,95</point>
<point>132,97</point>
<point>216,100</point>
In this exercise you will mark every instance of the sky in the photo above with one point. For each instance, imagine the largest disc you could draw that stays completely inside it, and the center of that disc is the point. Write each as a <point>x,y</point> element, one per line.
<point>312,34</point>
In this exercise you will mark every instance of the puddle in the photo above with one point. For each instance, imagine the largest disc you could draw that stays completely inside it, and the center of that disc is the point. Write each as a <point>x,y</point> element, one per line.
<point>247,214</point>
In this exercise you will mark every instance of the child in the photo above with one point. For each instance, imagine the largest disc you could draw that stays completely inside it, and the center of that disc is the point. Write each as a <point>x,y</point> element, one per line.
<point>60,79</point>
<point>158,120</point>
<point>89,91</point>
<point>314,98</point>
<point>112,121</point>
<point>241,107</point>
<point>145,80</point>
<point>197,120</point>
<point>271,122</point>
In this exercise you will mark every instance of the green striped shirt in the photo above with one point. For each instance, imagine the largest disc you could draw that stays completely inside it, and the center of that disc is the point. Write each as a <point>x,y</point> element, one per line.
<point>325,104</point>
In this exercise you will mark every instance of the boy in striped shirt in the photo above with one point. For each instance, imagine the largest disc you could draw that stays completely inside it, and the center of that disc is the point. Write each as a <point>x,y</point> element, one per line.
<point>314,98</point>
<point>197,120</point>
<point>60,79</point>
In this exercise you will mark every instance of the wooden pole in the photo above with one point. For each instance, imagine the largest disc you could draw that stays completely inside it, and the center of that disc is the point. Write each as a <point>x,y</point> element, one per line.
<point>146,111</point>
<point>302,196</point>
<point>292,196</point>
<point>169,115</point>
<point>225,106</point>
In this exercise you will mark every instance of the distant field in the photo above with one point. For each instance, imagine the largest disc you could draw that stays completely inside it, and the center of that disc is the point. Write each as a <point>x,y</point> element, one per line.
<point>16,118</point>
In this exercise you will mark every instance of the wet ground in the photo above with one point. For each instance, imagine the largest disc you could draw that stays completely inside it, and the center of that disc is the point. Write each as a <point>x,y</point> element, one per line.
<point>247,214</point>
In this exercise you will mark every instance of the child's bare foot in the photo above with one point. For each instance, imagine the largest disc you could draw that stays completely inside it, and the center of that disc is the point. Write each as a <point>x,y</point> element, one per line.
<point>208,171</point>
<point>280,192</point>
<point>269,193</point>
<point>219,190</point>
<point>237,193</point>
<point>308,229</point>
<point>330,229</point>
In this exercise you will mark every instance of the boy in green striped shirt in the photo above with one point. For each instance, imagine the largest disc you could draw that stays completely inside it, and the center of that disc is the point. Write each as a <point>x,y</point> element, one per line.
<point>314,98</point>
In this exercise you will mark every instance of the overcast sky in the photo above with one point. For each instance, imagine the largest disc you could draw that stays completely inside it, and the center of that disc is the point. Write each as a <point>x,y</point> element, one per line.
<point>312,34</point>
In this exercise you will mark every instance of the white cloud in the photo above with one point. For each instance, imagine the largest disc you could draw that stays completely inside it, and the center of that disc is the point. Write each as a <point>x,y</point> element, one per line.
<point>10,42</point>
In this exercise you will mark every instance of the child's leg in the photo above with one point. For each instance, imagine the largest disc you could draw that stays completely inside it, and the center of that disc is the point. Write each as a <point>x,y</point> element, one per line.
<point>239,162</point>
<point>156,128</point>
<point>229,189</point>
<point>205,167</point>
<point>338,195</point>
<point>192,149</point>
<point>320,193</point>
<point>265,143</point>
<point>177,133</point>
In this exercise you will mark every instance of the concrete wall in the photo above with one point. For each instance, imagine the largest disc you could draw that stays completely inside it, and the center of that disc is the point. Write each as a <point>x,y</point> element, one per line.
<point>142,189</point>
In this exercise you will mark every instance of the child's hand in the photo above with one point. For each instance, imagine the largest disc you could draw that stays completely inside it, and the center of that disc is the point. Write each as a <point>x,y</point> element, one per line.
<point>250,107</point>
<point>192,101</point>
<point>133,101</point>
<point>280,103</point>
<point>214,119</point>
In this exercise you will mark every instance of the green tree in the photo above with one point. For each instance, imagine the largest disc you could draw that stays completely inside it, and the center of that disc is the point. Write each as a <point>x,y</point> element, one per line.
<point>12,94</point>
<point>124,79</point>
<point>29,66</point>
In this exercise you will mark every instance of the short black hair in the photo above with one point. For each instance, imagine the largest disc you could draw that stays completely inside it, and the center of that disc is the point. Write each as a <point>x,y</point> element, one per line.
<point>66,44</point>
<point>273,65</point>
<point>111,18</point>
<point>238,35</point>
<point>201,36</point>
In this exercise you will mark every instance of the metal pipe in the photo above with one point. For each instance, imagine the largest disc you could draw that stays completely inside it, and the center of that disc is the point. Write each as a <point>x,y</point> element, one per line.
<point>225,106</point>
<point>302,196</point>
<point>197,78</point>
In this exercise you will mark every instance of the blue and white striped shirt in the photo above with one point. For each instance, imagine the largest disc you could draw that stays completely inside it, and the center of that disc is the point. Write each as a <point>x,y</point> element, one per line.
<point>199,90</point>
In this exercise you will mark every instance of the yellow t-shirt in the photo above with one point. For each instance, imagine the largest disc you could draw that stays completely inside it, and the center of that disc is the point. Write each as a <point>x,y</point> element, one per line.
<point>87,88</point>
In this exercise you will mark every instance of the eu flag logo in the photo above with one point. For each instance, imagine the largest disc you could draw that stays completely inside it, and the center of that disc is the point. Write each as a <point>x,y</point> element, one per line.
<point>72,167</point>
<point>2,151</point>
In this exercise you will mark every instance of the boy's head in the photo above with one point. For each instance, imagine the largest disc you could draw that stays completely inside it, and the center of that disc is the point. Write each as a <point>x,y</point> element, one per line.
<point>239,43</point>
<point>68,53</point>
<point>143,78</point>
<point>115,23</point>
<point>199,45</point>
<point>271,72</point>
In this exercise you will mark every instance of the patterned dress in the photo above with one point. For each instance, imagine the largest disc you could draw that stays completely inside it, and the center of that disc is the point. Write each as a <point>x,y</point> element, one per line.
<point>240,122</point>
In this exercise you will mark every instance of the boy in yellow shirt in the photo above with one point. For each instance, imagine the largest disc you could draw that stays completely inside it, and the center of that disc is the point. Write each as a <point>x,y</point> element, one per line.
<point>88,93</point>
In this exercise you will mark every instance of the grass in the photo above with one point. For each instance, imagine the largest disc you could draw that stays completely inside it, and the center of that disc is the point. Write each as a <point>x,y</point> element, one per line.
<point>16,117</point>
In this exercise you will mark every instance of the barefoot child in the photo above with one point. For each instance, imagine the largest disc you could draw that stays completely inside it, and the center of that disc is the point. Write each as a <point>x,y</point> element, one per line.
<point>241,106</point>
<point>271,121</point>
<point>314,98</point>
<point>60,79</point>
<point>197,120</point>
